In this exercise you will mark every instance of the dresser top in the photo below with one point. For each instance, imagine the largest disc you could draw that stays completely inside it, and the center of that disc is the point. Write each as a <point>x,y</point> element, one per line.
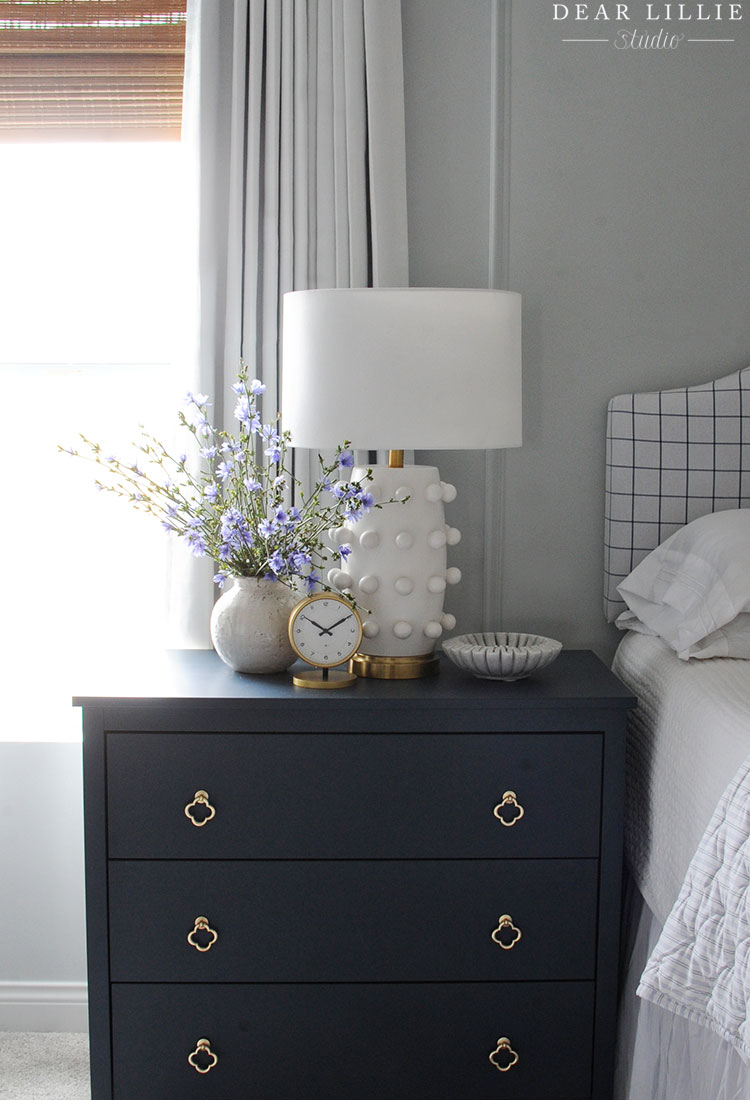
<point>577,678</point>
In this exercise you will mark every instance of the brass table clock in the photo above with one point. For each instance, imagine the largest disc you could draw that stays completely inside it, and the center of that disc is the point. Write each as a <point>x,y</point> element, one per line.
<point>325,631</point>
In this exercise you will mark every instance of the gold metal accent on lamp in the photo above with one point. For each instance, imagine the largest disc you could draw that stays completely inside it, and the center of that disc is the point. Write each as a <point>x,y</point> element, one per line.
<point>200,798</point>
<point>374,667</point>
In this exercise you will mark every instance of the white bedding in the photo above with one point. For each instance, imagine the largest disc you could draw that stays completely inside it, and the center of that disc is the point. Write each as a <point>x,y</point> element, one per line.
<point>688,844</point>
<point>688,738</point>
<point>700,966</point>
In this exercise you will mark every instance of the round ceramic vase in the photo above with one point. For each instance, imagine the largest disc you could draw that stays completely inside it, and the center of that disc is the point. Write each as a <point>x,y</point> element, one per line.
<point>249,625</point>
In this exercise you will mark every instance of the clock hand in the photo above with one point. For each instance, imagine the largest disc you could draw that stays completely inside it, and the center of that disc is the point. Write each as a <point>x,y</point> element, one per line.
<point>338,623</point>
<point>323,629</point>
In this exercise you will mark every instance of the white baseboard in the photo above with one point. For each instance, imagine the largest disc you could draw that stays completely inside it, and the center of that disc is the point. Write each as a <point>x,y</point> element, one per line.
<point>43,1006</point>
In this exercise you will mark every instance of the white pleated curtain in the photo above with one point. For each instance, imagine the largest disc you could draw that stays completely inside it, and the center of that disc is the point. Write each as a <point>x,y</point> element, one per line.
<point>294,132</point>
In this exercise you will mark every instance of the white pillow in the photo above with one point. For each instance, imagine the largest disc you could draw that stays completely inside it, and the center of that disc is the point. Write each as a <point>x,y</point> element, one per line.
<point>732,640</point>
<point>694,583</point>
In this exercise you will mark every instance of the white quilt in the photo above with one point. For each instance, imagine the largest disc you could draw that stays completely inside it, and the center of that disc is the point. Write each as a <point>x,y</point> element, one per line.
<point>688,830</point>
<point>686,739</point>
<point>700,967</point>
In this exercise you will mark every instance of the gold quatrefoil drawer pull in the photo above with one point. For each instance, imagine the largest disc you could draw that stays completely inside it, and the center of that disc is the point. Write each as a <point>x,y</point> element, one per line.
<point>503,1056</point>
<point>201,925</point>
<point>200,811</point>
<point>506,935</point>
<point>203,1058</point>
<point>509,808</point>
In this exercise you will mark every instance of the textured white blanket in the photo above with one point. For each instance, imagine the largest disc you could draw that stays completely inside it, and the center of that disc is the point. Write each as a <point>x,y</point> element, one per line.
<point>700,967</point>
<point>686,739</point>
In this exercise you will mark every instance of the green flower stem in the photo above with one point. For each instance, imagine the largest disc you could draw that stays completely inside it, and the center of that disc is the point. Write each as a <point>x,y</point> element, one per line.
<point>208,504</point>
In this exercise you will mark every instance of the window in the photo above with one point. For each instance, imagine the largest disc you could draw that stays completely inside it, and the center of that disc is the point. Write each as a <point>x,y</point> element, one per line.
<point>99,69</point>
<point>90,341</point>
<point>91,327</point>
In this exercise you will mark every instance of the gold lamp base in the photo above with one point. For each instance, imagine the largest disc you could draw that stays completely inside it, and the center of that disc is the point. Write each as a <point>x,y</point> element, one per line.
<point>394,668</point>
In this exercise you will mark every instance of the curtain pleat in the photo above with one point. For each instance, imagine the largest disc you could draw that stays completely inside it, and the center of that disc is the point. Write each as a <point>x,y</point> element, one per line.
<point>358,244</point>
<point>282,103</point>
<point>324,273</point>
<point>386,143</point>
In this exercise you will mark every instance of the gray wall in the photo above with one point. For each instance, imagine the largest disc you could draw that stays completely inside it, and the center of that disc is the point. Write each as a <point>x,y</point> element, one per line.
<point>453,87</point>
<point>629,235</point>
<point>42,950</point>
<point>624,203</point>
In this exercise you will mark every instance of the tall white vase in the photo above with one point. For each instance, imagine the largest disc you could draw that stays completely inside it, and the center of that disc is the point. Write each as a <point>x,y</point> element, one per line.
<point>250,623</point>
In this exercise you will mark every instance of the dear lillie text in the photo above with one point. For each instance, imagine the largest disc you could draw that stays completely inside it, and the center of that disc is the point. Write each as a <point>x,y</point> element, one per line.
<point>662,37</point>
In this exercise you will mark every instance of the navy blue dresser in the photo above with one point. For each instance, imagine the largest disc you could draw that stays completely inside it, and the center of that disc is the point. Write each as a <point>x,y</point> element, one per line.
<point>396,891</point>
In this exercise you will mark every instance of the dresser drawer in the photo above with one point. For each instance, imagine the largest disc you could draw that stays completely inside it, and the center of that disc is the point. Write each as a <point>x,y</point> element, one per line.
<point>369,1042</point>
<point>354,795</point>
<point>390,920</point>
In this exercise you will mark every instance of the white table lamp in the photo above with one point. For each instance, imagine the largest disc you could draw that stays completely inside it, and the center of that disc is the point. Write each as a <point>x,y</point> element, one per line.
<point>389,369</point>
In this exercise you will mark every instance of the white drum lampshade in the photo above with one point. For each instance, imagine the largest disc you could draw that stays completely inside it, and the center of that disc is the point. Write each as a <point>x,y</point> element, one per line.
<point>390,369</point>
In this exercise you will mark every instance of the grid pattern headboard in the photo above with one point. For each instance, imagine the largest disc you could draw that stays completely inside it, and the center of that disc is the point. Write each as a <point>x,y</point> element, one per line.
<point>672,456</point>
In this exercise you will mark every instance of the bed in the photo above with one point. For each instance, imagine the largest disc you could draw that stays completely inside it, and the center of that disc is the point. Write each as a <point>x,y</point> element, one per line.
<point>677,582</point>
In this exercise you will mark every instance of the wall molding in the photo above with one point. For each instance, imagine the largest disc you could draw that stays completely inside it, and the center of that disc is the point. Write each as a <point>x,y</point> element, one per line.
<point>44,1006</point>
<point>498,221</point>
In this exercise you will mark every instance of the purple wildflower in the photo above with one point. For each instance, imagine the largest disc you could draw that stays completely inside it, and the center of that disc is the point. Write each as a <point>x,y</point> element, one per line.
<point>298,560</point>
<point>277,563</point>
<point>197,399</point>
<point>196,542</point>
<point>243,410</point>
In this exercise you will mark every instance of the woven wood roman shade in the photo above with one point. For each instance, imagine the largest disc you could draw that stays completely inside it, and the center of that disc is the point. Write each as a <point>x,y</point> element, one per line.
<point>91,69</point>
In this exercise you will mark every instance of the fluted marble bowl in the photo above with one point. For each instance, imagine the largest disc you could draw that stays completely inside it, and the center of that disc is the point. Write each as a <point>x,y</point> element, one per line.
<point>501,656</point>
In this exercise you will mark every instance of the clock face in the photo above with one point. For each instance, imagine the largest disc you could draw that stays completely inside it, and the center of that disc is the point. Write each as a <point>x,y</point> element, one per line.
<point>325,630</point>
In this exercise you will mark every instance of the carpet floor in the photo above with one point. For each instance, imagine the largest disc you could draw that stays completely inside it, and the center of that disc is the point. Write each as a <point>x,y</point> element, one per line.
<point>44,1066</point>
